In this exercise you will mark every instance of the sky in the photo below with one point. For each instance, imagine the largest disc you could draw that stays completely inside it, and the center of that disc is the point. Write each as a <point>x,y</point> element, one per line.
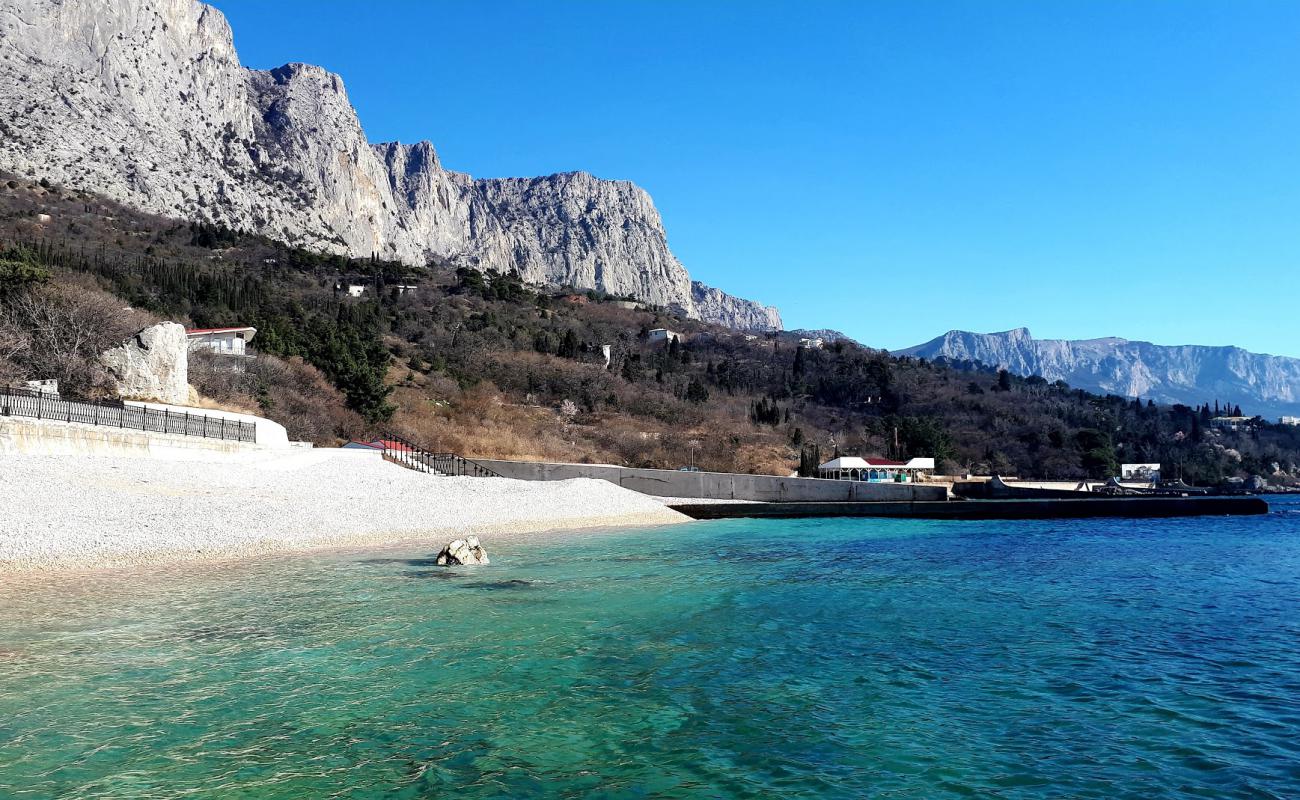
<point>893,170</point>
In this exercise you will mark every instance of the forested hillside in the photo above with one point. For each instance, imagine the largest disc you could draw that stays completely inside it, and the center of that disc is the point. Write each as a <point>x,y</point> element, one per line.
<point>485,365</point>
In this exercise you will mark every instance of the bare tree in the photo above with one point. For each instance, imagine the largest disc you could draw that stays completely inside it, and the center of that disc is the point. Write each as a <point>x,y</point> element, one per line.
<point>59,331</point>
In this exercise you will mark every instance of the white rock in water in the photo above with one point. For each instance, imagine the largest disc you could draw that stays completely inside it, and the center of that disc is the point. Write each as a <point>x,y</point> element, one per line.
<point>145,101</point>
<point>153,365</point>
<point>463,551</point>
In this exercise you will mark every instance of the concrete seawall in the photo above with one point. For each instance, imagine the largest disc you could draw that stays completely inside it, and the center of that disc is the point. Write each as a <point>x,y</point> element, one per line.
<point>21,436</point>
<point>720,485</point>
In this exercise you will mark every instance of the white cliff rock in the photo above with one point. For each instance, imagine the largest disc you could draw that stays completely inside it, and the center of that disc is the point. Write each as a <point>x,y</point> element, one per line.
<point>153,365</point>
<point>145,101</point>
<point>461,552</point>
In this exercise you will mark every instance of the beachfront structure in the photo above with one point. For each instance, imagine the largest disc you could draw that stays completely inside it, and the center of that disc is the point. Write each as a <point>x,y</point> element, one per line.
<point>874,470</point>
<point>1140,472</point>
<point>226,341</point>
<point>48,387</point>
<point>663,335</point>
<point>1289,421</point>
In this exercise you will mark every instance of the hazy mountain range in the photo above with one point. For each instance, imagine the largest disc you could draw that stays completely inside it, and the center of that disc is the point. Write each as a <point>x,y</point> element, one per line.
<point>145,101</point>
<point>1189,374</point>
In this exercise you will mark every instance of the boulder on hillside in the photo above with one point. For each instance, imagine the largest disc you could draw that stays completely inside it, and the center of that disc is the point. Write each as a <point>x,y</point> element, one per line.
<point>463,551</point>
<point>152,365</point>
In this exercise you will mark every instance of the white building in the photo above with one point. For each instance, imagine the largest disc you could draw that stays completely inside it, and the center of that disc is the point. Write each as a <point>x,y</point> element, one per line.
<point>226,341</point>
<point>1232,423</point>
<point>663,335</point>
<point>812,344</point>
<point>48,387</point>
<point>356,289</point>
<point>874,470</point>
<point>1289,421</point>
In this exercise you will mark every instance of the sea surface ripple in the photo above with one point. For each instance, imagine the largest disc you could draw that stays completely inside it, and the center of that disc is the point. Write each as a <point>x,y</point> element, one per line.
<point>818,658</point>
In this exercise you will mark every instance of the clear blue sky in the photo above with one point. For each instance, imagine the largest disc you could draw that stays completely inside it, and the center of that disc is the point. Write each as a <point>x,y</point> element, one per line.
<point>891,169</point>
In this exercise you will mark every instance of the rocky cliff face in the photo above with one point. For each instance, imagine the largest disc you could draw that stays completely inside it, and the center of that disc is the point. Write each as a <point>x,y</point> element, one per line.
<point>1190,374</point>
<point>146,101</point>
<point>153,365</point>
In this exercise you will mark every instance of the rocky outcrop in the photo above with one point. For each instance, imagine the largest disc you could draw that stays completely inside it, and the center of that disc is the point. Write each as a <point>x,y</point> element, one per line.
<point>717,306</point>
<point>461,552</point>
<point>1189,374</point>
<point>145,101</point>
<point>152,365</point>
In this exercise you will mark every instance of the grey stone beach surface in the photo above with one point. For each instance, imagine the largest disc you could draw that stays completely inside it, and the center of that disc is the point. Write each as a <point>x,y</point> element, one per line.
<point>78,512</point>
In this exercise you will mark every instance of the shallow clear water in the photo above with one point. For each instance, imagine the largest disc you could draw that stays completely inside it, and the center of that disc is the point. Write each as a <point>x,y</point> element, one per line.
<point>826,658</point>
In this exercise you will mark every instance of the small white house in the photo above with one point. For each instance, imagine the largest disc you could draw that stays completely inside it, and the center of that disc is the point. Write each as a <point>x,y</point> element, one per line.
<point>1289,421</point>
<point>356,289</point>
<point>1232,423</point>
<point>663,335</point>
<point>48,387</point>
<point>812,344</point>
<point>226,341</point>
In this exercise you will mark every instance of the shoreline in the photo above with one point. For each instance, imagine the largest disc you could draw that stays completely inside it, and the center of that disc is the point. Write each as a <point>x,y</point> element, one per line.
<point>89,514</point>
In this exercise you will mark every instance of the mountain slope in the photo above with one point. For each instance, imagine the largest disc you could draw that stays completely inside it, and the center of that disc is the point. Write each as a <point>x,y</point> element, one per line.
<point>1189,374</point>
<point>145,101</point>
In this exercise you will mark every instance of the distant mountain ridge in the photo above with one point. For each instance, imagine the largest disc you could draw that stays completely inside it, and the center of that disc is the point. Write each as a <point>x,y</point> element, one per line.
<point>1190,374</point>
<point>146,102</point>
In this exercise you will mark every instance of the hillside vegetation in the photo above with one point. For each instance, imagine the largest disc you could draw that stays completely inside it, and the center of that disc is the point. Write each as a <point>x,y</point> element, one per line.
<point>485,365</point>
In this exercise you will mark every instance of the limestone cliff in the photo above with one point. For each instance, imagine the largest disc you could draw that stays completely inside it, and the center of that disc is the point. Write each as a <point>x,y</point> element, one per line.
<point>146,101</point>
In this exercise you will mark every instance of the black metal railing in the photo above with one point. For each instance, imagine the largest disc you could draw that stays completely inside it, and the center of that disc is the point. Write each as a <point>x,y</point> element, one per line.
<point>400,451</point>
<point>43,405</point>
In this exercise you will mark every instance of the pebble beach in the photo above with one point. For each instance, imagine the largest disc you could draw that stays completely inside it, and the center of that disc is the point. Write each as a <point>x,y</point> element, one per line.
<point>78,512</point>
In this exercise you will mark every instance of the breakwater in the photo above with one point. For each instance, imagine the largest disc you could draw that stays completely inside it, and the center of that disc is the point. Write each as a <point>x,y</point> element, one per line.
<point>989,509</point>
<point>720,485</point>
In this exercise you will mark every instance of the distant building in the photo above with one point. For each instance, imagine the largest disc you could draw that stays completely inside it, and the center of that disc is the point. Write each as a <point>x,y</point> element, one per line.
<point>403,288</point>
<point>356,289</point>
<point>226,341</point>
<point>1140,472</point>
<point>663,335</point>
<point>1289,421</point>
<point>874,470</point>
<point>1232,423</point>
<point>812,344</point>
<point>48,387</point>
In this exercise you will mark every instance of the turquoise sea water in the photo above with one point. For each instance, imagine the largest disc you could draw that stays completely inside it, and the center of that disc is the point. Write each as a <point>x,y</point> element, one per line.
<point>824,658</point>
